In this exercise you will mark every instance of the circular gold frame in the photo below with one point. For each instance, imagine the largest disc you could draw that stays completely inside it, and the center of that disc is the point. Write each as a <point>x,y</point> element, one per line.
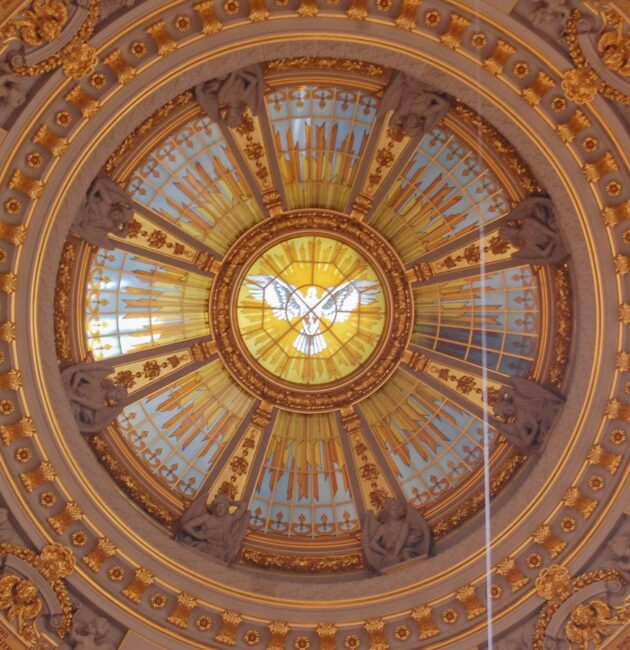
<point>355,386</point>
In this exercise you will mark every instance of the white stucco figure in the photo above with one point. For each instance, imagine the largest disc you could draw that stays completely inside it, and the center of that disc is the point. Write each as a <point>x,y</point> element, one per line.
<point>89,636</point>
<point>215,530</point>
<point>96,401</point>
<point>396,534</point>
<point>227,98</point>
<point>106,209</point>
<point>11,95</point>
<point>532,228</point>
<point>525,411</point>
<point>416,108</point>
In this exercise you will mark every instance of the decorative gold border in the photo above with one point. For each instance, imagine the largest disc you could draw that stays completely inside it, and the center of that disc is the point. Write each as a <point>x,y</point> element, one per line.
<point>325,397</point>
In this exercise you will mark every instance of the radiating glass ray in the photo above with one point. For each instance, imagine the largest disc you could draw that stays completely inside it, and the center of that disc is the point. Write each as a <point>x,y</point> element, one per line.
<point>445,191</point>
<point>320,134</point>
<point>457,319</point>
<point>133,303</point>
<point>192,179</point>
<point>303,488</point>
<point>430,443</point>
<point>178,431</point>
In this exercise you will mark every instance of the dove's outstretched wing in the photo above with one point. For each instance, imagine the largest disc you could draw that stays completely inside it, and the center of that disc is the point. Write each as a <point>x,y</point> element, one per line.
<point>341,301</point>
<point>278,294</point>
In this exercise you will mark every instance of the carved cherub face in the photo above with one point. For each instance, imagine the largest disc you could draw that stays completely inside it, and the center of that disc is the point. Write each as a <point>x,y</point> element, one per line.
<point>620,545</point>
<point>505,409</point>
<point>392,509</point>
<point>98,627</point>
<point>220,506</point>
<point>25,592</point>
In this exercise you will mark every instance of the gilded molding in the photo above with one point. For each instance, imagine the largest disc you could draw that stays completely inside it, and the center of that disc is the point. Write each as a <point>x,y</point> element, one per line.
<point>7,332</point>
<point>43,473</point>
<point>573,498</point>
<point>104,549</point>
<point>423,616</point>
<point>210,24</point>
<point>535,92</point>
<point>326,63</point>
<point>587,622</point>
<point>543,536</point>
<point>160,36</point>
<point>576,123</point>
<point>375,627</point>
<point>120,67</point>
<point>141,581</point>
<point>467,596</point>
<point>28,185</point>
<point>605,165</point>
<point>599,456</point>
<point>301,564</point>
<point>23,428</point>
<point>278,631</point>
<point>408,15</point>
<point>83,102</point>
<point>182,610</point>
<point>71,512</point>
<point>50,140</point>
<point>497,60</point>
<point>77,57</point>
<point>230,620</point>
<point>510,571</point>
<point>62,302</point>
<point>564,318</point>
<point>455,32</point>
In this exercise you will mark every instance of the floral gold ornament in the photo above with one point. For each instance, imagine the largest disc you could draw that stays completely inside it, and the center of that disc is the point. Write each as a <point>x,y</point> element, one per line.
<point>71,513</point>
<point>251,637</point>
<point>182,23</point>
<point>590,623</point>
<point>554,583</point>
<point>79,538</point>
<point>613,215</point>
<point>545,537</point>
<point>375,627</point>
<point>534,560</point>
<point>575,499</point>
<point>164,42</point>
<point>203,623</point>
<point>85,103</point>
<point>158,600</point>
<point>327,633</point>
<point>78,60</point>
<point>568,524</point>
<point>402,633</point>
<point>605,165</point>
<point>407,17</point>
<point>618,436</point>
<point>7,406</point>
<point>23,455</point>
<point>558,104</point>
<point>21,603</point>
<point>120,67</point>
<point>42,23</point>
<point>12,206</point>
<point>352,642</point>
<point>467,596</point>
<point>43,473</point>
<point>536,91</point>
<point>496,591</point>
<point>209,21</point>
<point>510,571</point>
<point>497,60</point>
<point>302,643</point>
<point>449,616</point>
<point>599,456</point>
<point>116,573</point>
<point>580,85</point>
<point>98,80</point>
<point>47,499</point>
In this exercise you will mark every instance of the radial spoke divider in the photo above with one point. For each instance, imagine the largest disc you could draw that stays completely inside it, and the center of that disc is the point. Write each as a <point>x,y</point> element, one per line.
<point>425,274</point>
<point>427,369</point>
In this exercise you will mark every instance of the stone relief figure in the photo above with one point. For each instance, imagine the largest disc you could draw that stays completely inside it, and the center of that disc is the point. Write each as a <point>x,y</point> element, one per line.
<point>89,636</point>
<point>531,227</point>
<point>106,209</point>
<point>96,401</point>
<point>215,530</point>
<point>550,16</point>
<point>234,93</point>
<point>525,411</point>
<point>11,95</point>
<point>616,555</point>
<point>396,534</point>
<point>417,109</point>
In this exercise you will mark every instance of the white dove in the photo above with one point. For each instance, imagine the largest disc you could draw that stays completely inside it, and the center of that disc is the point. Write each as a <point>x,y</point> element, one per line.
<point>288,303</point>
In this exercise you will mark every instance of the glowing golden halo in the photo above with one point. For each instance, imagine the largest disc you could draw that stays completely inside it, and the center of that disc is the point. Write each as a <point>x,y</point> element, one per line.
<point>376,335</point>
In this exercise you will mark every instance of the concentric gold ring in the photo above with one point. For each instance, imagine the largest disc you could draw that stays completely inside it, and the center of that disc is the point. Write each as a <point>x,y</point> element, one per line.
<point>393,333</point>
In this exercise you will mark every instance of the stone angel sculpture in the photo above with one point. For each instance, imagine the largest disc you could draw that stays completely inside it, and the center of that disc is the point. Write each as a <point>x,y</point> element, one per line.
<point>531,228</point>
<point>525,411</point>
<point>234,93</point>
<point>106,209</point>
<point>213,529</point>
<point>89,636</point>
<point>96,401</point>
<point>396,534</point>
<point>416,108</point>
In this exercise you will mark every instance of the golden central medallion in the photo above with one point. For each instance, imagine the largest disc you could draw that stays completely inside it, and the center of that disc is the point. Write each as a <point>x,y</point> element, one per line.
<point>311,311</point>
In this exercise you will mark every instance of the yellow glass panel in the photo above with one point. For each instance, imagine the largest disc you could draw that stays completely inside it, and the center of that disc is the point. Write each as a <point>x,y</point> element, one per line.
<point>311,310</point>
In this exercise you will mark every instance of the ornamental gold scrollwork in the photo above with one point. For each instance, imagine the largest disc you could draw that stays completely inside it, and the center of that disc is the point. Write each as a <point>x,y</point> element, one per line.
<point>20,597</point>
<point>380,367</point>
<point>326,63</point>
<point>44,23</point>
<point>300,564</point>
<point>613,47</point>
<point>588,622</point>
